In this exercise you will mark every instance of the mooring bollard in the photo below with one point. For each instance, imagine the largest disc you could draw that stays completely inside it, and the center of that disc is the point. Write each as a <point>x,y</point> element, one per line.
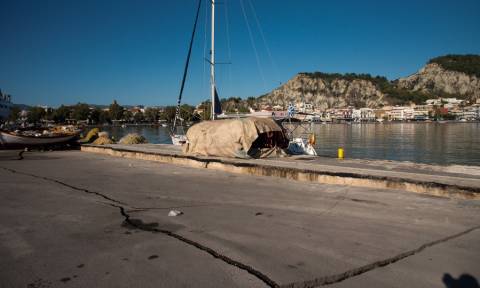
<point>340,153</point>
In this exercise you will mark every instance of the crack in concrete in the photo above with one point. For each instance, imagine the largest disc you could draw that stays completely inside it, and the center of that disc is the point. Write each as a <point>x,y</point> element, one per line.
<point>145,227</point>
<point>321,281</point>
<point>139,225</point>
<point>65,184</point>
<point>332,279</point>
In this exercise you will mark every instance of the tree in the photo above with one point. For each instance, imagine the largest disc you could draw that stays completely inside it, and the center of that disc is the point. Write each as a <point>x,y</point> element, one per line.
<point>127,116</point>
<point>104,117</point>
<point>186,112</point>
<point>252,102</point>
<point>35,114</point>
<point>81,111</point>
<point>116,111</point>
<point>138,117</point>
<point>95,115</point>
<point>207,109</point>
<point>169,113</point>
<point>61,114</point>
<point>14,114</point>
<point>151,114</point>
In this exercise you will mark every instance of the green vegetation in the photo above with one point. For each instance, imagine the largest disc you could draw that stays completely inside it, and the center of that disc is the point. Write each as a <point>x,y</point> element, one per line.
<point>36,114</point>
<point>468,64</point>
<point>348,76</point>
<point>90,114</point>
<point>14,113</point>
<point>116,111</point>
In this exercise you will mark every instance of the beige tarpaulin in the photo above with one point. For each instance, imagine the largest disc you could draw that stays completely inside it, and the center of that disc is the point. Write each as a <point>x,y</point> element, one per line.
<point>241,138</point>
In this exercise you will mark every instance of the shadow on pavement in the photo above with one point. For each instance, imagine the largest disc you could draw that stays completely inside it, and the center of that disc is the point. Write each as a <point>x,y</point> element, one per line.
<point>464,281</point>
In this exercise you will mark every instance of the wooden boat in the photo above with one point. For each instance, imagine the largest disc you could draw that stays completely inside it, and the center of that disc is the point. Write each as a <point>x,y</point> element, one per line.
<point>16,139</point>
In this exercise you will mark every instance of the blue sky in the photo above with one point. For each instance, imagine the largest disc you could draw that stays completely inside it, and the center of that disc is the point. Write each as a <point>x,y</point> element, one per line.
<point>56,52</point>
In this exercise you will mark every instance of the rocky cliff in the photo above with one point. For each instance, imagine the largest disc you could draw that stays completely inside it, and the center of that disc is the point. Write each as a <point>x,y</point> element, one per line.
<point>445,76</point>
<point>436,80</point>
<point>326,92</point>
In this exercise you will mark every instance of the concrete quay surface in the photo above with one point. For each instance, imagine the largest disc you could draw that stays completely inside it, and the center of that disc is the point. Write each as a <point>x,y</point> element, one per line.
<point>74,219</point>
<point>448,181</point>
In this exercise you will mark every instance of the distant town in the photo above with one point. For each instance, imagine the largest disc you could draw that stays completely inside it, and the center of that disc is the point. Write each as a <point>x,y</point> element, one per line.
<point>439,109</point>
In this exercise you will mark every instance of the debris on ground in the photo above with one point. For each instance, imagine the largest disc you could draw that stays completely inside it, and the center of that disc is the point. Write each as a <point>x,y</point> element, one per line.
<point>174,213</point>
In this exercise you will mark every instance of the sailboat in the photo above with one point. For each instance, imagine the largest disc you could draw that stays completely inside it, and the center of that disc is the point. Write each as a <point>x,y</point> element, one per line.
<point>296,145</point>
<point>177,134</point>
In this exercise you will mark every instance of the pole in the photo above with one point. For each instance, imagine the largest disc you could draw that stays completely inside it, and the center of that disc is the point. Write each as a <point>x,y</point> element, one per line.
<point>212,62</point>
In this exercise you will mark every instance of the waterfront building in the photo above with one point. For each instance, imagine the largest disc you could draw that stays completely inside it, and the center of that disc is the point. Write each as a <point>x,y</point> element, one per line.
<point>367,114</point>
<point>437,101</point>
<point>453,101</point>
<point>356,115</point>
<point>471,112</point>
<point>422,112</point>
<point>5,105</point>
<point>446,102</point>
<point>342,114</point>
<point>457,112</point>
<point>380,114</point>
<point>401,113</point>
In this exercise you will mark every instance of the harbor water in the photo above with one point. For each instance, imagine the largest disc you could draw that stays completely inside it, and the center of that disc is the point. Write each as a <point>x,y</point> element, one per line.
<point>430,143</point>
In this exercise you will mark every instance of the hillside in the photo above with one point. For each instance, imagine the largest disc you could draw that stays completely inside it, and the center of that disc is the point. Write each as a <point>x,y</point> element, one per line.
<point>452,75</point>
<point>340,90</point>
<point>468,64</point>
<point>446,76</point>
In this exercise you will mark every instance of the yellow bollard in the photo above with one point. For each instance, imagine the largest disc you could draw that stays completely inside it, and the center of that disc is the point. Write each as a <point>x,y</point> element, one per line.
<point>340,153</point>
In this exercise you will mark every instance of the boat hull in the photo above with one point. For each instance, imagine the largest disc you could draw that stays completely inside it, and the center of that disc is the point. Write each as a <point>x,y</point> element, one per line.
<point>179,140</point>
<point>8,139</point>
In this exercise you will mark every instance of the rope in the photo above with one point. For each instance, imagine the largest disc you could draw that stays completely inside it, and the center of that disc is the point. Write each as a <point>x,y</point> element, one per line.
<point>274,65</point>
<point>177,113</point>
<point>253,45</point>
<point>227,30</point>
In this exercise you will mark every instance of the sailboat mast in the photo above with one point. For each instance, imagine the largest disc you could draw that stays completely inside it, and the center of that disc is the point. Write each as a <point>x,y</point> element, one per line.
<point>212,62</point>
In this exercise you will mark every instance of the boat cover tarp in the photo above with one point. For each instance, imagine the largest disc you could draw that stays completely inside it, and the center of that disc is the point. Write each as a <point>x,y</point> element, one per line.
<point>241,138</point>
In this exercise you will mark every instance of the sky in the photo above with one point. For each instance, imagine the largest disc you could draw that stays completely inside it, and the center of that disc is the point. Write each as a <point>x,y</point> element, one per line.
<point>55,52</point>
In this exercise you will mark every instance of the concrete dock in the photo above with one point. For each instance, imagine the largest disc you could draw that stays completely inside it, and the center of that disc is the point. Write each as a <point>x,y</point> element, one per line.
<point>76,219</point>
<point>448,181</point>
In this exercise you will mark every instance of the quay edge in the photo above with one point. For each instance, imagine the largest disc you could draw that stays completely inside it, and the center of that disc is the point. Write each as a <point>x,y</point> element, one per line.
<point>426,184</point>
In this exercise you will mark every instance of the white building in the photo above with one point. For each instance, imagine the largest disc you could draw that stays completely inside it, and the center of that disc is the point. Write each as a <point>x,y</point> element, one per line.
<point>421,112</point>
<point>401,113</point>
<point>471,112</point>
<point>437,101</point>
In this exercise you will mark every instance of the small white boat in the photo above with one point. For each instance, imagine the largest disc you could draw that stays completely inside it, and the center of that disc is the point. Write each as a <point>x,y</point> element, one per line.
<point>15,139</point>
<point>179,139</point>
<point>298,146</point>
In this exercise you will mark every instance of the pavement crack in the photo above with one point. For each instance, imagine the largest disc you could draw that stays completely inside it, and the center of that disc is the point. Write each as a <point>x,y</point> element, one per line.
<point>66,185</point>
<point>332,279</point>
<point>146,227</point>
